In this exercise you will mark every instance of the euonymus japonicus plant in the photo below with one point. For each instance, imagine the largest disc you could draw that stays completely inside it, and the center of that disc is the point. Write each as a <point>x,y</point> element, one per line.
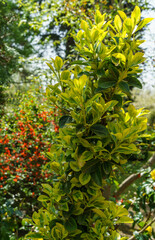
<point>96,132</point>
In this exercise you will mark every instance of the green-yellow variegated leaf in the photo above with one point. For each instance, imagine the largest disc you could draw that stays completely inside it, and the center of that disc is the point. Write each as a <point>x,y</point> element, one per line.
<point>65,75</point>
<point>109,105</point>
<point>65,96</point>
<point>100,213</point>
<point>64,207</point>
<point>99,17</point>
<point>86,156</point>
<point>78,211</point>
<point>124,219</point>
<point>77,195</point>
<point>43,198</point>
<point>122,15</point>
<point>94,98</point>
<point>59,232</point>
<point>100,39</point>
<point>75,116</point>
<point>94,34</point>
<point>120,56</point>
<point>51,67</point>
<point>81,162</point>
<point>127,149</point>
<point>143,23</point>
<point>136,59</point>
<point>81,82</point>
<point>34,235</point>
<point>75,182</point>
<point>85,143</point>
<point>100,25</point>
<point>118,23</point>
<point>132,111</point>
<point>74,166</point>
<point>79,35</point>
<point>119,136</point>
<point>47,189</point>
<point>121,211</point>
<point>136,15</point>
<point>84,25</point>
<point>84,178</point>
<point>58,63</point>
<point>55,166</point>
<point>128,25</point>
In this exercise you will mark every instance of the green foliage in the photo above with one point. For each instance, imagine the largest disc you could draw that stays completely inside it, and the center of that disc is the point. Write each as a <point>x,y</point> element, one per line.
<point>14,39</point>
<point>97,133</point>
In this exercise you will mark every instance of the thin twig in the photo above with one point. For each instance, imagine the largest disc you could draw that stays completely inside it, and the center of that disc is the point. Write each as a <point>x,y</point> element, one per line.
<point>143,229</point>
<point>148,217</point>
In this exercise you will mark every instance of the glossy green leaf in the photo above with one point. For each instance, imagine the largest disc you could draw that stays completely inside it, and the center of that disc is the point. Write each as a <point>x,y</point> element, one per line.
<point>106,84</point>
<point>107,167</point>
<point>97,176</point>
<point>70,224</point>
<point>134,82</point>
<point>124,87</point>
<point>100,130</point>
<point>64,120</point>
<point>119,100</point>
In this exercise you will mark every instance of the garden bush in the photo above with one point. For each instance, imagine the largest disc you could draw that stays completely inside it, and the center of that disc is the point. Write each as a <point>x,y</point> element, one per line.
<point>25,135</point>
<point>97,132</point>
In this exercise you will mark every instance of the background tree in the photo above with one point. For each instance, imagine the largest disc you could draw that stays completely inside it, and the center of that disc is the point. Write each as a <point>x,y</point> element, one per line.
<point>15,42</point>
<point>57,21</point>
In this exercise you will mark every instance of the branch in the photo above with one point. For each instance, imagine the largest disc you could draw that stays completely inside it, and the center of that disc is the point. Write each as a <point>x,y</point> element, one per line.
<point>128,181</point>
<point>143,229</point>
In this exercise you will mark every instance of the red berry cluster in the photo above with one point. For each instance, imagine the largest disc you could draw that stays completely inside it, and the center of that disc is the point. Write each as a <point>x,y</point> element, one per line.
<point>23,143</point>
